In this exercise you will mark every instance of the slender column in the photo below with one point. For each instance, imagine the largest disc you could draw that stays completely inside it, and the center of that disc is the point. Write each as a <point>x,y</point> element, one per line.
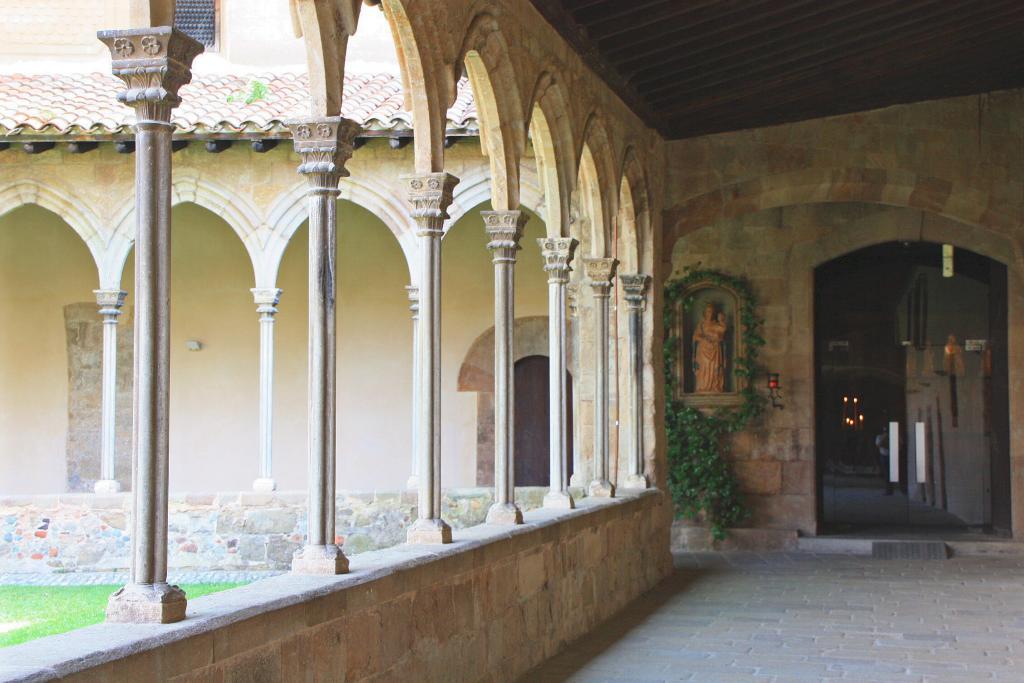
<point>110,302</point>
<point>324,146</point>
<point>414,308</point>
<point>557,253</point>
<point>154,63</point>
<point>601,273</point>
<point>505,229</point>
<point>635,289</point>
<point>430,195</point>
<point>572,295</point>
<point>266,305</point>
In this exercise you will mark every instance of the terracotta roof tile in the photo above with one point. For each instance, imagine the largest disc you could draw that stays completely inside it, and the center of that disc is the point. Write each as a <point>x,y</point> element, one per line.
<point>83,104</point>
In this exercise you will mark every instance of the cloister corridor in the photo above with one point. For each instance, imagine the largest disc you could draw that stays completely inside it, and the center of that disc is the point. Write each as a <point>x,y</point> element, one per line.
<point>796,617</point>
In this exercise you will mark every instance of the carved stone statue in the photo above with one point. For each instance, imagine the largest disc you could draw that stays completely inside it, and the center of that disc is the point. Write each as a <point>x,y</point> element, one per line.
<point>709,352</point>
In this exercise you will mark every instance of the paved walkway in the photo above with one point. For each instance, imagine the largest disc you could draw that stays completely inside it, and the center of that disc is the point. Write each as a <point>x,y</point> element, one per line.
<point>801,618</point>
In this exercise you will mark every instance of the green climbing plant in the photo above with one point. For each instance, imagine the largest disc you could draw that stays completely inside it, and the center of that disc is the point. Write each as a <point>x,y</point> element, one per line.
<point>701,481</point>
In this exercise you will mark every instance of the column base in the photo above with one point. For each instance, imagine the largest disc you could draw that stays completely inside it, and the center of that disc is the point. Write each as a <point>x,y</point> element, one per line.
<point>559,500</point>
<point>146,603</point>
<point>601,488</point>
<point>635,481</point>
<point>578,479</point>
<point>412,483</point>
<point>429,532</point>
<point>319,560</point>
<point>264,485</point>
<point>107,486</point>
<point>504,513</point>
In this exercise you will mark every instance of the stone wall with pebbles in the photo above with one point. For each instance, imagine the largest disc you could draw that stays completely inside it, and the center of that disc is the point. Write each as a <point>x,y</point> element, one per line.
<point>211,531</point>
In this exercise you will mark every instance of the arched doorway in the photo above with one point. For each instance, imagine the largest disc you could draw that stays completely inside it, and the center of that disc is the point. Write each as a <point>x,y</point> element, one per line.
<point>532,417</point>
<point>912,390</point>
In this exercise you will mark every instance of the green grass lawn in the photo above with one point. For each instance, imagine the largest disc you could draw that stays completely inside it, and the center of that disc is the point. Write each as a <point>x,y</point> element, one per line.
<point>29,612</point>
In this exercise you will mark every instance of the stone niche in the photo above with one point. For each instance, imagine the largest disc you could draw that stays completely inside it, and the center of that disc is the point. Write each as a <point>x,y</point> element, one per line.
<point>707,327</point>
<point>84,333</point>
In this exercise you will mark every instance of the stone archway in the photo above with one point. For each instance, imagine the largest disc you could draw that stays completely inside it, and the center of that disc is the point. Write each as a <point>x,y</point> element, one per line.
<point>476,374</point>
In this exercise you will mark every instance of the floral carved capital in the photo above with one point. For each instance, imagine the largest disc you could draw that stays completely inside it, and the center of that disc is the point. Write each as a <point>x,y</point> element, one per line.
<point>430,195</point>
<point>153,63</point>
<point>634,289</point>
<point>557,253</point>
<point>601,273</point>
<point>505,229</point>
<point>325,145</point>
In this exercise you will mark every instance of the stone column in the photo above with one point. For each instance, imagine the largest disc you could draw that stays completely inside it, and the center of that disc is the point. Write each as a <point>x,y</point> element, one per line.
<point>601,273</point>
<point>504,228</point>
<point>414,308</point>
<point>154,63</point>
<point>430,195</point>
<point>266,305</point>
<point>324,146</point>
<point>557,253</point>
<point>634,292</point>
<point>572,295</point>
<point>110,302</point>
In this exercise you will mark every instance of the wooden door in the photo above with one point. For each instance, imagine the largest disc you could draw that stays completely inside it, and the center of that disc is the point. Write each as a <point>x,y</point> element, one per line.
<point>532,445</point>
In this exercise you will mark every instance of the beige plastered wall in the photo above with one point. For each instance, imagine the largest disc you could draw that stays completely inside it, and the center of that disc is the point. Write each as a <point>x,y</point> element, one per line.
<point>214,391</point>
<point>771,204</point>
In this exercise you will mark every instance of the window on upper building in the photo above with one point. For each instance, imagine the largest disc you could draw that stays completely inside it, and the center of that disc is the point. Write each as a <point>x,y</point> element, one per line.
<point>198,19</point>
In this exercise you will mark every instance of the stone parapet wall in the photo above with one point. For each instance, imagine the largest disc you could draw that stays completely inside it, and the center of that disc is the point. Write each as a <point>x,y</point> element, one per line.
<point>488,607</point>
<point>214,531</point>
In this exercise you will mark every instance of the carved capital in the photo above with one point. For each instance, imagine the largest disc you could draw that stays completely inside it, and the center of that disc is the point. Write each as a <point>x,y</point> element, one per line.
<point>325,145</point>
<point>266,299</point>
<point>110,301</point>
<point>414,300</point>
<point>558,253</point>
<point>601,273</point>
<point>430,195</point>
<point>505,229</point>
<point>634,289</point>
<point>153,63</point>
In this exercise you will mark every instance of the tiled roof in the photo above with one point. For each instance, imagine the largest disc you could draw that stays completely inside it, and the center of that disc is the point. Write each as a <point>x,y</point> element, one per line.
<point>86,104</point>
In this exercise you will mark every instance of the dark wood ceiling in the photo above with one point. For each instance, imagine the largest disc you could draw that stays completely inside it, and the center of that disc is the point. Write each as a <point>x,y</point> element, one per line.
<point>693,67</point>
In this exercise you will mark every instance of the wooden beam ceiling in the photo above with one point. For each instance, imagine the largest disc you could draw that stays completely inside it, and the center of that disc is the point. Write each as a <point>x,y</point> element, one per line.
<point>694,67</point>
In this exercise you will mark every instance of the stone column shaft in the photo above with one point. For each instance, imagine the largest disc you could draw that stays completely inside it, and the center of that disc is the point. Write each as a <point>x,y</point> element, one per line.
<point>110,302</point>
<point>572,293</point>
<point>557,253</point>
<point>635,289</point>
<point>414,308</point>
<point>266,305</point>
<point>504,229</point>
<point>430,195</point>
<point>601,272</point>
<point>325,145</point>
<point>153,63</point>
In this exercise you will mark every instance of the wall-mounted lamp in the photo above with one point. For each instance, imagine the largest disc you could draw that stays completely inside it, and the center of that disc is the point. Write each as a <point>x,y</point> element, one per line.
<point>193,345</point>
<point>775,390</point>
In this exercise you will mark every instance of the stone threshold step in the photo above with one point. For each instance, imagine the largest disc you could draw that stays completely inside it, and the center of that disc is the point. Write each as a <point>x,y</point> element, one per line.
<point>826,545</point>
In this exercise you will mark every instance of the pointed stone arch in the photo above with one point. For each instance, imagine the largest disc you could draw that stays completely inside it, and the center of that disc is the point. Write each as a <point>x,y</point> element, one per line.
<point>82,220</point>
<point>290,210</point>
<point>499,107</point>
<point>553,148</point>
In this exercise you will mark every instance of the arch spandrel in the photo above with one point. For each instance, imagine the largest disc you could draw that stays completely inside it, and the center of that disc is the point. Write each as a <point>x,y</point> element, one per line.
<point>325,28</point>
<point>82,220</point>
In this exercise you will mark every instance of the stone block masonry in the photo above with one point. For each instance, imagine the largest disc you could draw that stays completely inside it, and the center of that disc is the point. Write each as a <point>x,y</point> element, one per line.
<point>213,531</point>
<point>488,607</point>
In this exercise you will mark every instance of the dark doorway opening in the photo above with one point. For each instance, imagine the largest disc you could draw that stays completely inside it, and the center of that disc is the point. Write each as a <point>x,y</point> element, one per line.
<point>532,447</point>
<point>912,403</point>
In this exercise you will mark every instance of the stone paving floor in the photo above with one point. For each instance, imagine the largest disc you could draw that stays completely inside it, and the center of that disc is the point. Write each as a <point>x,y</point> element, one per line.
<point>801,617</point>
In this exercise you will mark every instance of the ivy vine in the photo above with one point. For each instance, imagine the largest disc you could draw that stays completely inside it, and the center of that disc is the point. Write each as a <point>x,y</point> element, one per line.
<point>701,481</point>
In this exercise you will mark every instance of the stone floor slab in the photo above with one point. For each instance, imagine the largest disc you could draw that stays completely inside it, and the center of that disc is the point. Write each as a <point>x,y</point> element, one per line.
<point>802,617</point>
